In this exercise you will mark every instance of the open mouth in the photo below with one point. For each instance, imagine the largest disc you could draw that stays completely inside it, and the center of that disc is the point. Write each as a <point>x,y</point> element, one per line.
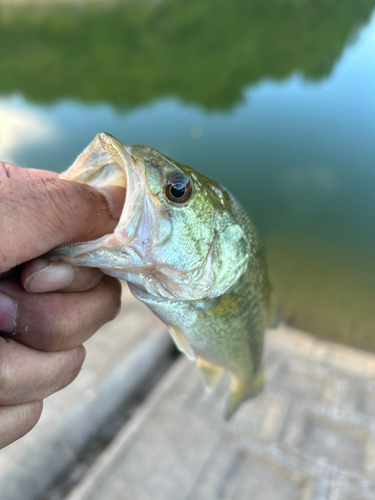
<point>108,162</point>
<point>102,163</point>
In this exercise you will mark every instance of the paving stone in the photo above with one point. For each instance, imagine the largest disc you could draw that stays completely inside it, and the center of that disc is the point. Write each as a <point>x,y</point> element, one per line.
<point>119,358</point>
<point>343,447</point>
<point>309,436</point>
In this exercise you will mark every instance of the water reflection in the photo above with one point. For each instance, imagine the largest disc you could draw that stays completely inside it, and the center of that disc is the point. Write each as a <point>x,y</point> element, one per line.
<point>276,101</point>
<point>132,53</point>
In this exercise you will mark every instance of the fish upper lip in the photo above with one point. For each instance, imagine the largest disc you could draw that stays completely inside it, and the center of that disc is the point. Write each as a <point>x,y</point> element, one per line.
<point>135,185</point>
<point>127,226</point>
<point>121,154</point>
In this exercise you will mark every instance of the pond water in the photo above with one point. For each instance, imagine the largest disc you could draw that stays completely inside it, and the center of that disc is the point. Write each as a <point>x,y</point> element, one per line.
<point>275,100</point>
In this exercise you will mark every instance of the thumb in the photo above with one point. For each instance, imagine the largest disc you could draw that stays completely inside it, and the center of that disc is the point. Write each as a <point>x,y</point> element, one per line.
<point>37,215</point>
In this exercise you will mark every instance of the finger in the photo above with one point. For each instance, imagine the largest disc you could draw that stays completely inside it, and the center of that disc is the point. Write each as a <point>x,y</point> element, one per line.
<point>9,171</point>
<point>37,215</point>
<point>28,375</point>
<point>57,321</point>
<point>18,420</point>
<point>41,276</point>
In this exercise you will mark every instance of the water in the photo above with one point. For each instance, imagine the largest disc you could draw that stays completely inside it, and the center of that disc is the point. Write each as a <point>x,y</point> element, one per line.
<point>275,100</point>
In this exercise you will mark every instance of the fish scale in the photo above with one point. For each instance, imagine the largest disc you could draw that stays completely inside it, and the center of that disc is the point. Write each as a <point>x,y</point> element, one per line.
<point>190,252</point>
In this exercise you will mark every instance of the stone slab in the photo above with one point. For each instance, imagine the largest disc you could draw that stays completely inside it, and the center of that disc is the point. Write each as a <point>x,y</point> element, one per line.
<point>119,359</point>
<point>308,436</point>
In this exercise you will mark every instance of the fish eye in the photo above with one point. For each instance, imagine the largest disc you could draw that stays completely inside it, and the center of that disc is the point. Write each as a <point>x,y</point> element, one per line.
<point>178,188</point>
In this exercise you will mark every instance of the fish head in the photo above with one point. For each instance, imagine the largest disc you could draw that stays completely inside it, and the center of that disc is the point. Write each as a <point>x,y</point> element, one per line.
<point>177,237</point>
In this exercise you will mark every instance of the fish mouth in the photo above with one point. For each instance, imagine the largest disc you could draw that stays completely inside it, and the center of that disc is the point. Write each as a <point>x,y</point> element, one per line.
<point>108,162</point>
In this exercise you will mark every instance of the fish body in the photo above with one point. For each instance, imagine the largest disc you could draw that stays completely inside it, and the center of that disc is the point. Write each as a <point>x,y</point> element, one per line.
<point>189,251</point>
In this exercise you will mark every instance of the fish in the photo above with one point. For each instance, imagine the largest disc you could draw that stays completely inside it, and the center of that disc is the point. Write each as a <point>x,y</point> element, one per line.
<point>187,249</point>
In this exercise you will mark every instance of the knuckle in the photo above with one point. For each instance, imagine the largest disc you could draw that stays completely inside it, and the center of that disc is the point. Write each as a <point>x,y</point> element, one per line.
<point>41,204</point>
<point>5,169</point>
<point>58,199</point>
<point>77,356</point>
<point>22,419</point>
<point>81,355</point>
<point>71,203</point>
<point>68,365</point>
<point>33,413</point>
<point>52,322</point>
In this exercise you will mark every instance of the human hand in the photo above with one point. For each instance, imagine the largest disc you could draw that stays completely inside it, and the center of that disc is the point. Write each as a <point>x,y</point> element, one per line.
<point>47,309</point>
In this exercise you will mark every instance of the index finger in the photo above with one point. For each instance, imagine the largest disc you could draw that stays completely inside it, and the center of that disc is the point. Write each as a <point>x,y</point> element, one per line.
<point>38,214</point>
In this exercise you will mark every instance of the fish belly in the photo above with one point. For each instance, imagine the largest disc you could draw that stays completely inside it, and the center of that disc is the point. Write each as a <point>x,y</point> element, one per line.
<point>219,334</point>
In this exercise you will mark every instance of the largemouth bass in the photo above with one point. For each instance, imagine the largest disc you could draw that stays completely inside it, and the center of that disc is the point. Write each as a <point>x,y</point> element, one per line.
<point>189,251</point>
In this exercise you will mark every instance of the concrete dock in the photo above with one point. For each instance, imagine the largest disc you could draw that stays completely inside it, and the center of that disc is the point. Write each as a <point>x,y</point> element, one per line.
<point>310,435</point>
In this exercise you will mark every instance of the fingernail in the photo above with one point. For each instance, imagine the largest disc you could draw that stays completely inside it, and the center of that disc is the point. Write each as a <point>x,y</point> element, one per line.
<point>50,278</point>
<point>115,197</point>
<point>8,309</point>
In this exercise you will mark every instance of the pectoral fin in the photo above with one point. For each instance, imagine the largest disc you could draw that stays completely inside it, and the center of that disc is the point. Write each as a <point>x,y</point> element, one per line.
<point>211,373</point>
<point>181,342</point>
<point>241,390</point>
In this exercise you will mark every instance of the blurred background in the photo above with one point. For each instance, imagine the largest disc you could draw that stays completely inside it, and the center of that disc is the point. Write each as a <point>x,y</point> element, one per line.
<point>275,100</point>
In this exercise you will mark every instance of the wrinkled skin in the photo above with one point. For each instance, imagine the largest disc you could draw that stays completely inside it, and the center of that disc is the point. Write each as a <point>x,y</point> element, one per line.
<point>198,264</point>
<point>47,310</point>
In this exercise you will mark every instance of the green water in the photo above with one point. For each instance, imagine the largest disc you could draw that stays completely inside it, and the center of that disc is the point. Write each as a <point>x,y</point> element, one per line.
<point>275,100</point>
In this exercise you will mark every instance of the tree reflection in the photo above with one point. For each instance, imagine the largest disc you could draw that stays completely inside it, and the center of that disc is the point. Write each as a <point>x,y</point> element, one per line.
<point>203,52</point>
